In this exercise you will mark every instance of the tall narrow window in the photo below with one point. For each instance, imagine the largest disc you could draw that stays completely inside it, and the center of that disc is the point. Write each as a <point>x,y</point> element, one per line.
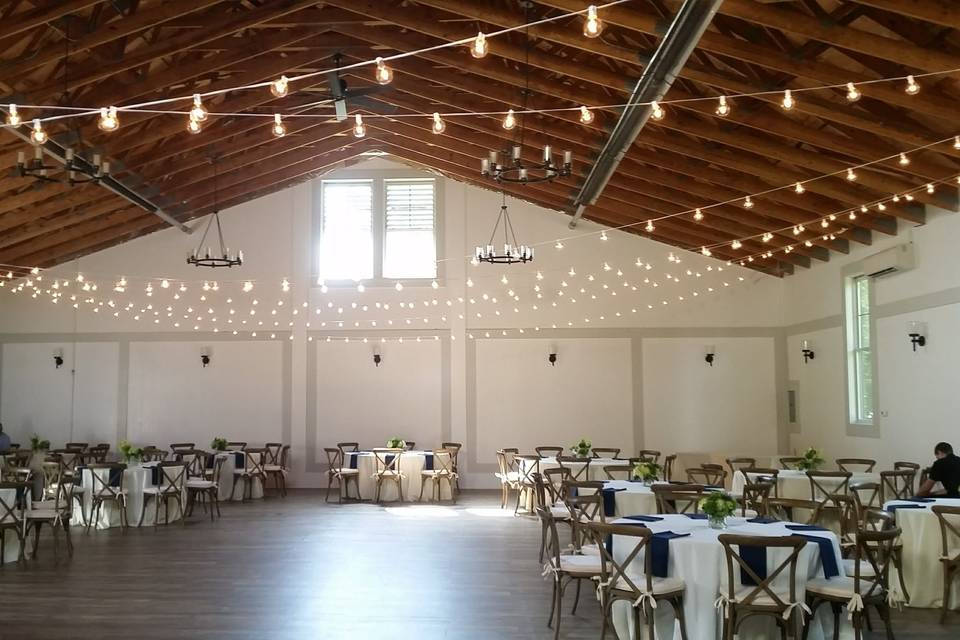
<point>409,248</point>
<point>346,230</point>
<point>859,351</point>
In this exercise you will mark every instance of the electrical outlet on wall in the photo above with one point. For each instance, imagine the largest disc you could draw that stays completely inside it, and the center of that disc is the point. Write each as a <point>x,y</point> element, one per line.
<point>884,413</point>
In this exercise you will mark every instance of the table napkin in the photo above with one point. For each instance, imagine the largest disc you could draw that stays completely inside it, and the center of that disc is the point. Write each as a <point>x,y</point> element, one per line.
<point>756,559</point>
<point>643,518</point>
<point>763,520</point>
<point>610,501</point>
<point>660,548</point>
<point>895,507</point>
<point>805,527</point>
<point>828,556</point>
<point>696,516</point>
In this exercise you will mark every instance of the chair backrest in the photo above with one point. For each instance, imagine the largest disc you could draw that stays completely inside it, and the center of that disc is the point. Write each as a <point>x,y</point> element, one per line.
<point>506,463</point>
<point>98,453</point>
<point>761,590</point>
<point>763,474</point>
<point>254,461</point>
<point>897,485</point>
<point>443,462</point>
<point>555,480</point>
<point>825,486</point>
<point>904,465</point>
<point>152,454</point>
<point>790,462</point>
<point>755,496</point>
<point>585,505</point>
<point>548,452</point>
<point>949,520</point>
<point>273,452</point>
<point>71,457</point>
<point>196,461</point>
<point>605,452</point>
<point>107,480</point>
<point>678,498</point>
<point>181,445</point>
<point>526,467</point>
<point>386,460</point>
<point>579,467</point>
<point>173,476</point>
<point>57,484</point>
<point>866,495</point>
<point>335,459</point>
<point>736,464</point>
<point>348,446</point>
<point>874,549</point>
<point>551,540</point>
<point>707,475</point>
<point>236,446</point>
<point>856,465</point>
<point>285,457</point>
<point>668,463</point>
<point>618,569</point>
<point>794,510</point>
<point>409,445</point>
<point>649,455</point>
<point>13,501</point>
<point>618,471</point>
<point>454,449</point>
<point>81,446</point>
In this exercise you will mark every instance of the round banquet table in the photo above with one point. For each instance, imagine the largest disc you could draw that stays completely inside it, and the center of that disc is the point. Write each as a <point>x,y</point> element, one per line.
<point>792,483</point>
<point>630,498</point>
<point>136,478</point>
<point>594,472</point>
<point>922,571</point>
<point>410,465</point>
<point>700,561</point>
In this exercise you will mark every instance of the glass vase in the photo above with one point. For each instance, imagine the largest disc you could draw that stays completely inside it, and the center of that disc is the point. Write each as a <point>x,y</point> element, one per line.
<point>717,522</point>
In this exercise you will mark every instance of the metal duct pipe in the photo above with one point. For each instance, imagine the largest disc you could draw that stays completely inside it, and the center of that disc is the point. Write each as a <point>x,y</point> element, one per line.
<point>678,43</point>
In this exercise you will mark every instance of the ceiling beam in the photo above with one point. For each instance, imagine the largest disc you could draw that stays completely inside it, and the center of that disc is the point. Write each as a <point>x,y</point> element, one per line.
<point>38,16</point>
<point>942,12</point>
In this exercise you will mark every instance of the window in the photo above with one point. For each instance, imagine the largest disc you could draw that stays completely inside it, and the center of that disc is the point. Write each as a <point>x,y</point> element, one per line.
<point>859,351</point>
<point>378,228</point>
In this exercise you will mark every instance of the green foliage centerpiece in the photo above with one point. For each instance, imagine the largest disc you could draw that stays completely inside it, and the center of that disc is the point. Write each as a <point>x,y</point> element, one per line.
<point>582,448</point>
<point>219,444</point>
<point>396,443</point>
<point>38,444</point>
<point>718,505</point>
<point>129,452</point>
<point>812,460</point>
<point>646,471</point>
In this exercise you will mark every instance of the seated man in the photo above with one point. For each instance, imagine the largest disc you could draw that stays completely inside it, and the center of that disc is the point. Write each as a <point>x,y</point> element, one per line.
<point>945,470</point>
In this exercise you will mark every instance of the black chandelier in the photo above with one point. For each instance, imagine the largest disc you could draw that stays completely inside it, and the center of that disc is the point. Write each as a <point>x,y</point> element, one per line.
<point>513,251</point>
<point>201,257</point>
<point>78,170</point>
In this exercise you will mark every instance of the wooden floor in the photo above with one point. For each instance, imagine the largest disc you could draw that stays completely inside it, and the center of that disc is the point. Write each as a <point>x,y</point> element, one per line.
<point>296,568</point>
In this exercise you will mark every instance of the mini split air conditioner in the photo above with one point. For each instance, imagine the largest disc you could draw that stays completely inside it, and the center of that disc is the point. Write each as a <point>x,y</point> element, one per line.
<point>889,261</point>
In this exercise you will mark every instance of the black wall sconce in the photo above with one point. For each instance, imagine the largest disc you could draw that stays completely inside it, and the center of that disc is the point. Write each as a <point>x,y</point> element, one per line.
<point>552,356</point>
<point>377,358</point>
<point>58,358</point>
<point>917,332</point>
<point>205,356</point>
<point>711,355</point>
<point>807,351</point>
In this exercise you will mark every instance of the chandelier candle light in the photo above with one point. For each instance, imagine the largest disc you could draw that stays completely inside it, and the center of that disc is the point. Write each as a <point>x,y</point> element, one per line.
<point>201,257</point>
<point>523,172</point>
<point>513,252</point>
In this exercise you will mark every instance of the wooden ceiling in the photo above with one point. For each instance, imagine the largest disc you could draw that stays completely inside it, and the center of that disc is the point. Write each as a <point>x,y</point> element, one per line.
<point>125,51</point>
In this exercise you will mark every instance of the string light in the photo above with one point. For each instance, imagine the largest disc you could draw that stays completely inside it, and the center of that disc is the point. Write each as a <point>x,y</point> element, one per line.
<point>698,215</point>
<point>479,48</point>
<point>586,116</point>
<point>956,142</point>
<point>398,286</point>
<point>705,251</point>
<point>723,109</point>
<point>108,119</point>
<point>279,129</point>
<point>38,135</point>
<point>851,175</point>
<point>510,120</point>
<point>603,235</point>
<point>736,244</point>
<point>592,26</point>
<point>280,87</point>
<point>912,87</point>
<point>904,160</point>
<point>193,125</point>
<point>930,188</point>
<point>438,125</point>
<point>13,117</point>
<point>656,111</point>
<point>247,286</point>
<point>798,188</point>
<point>747,203</point>
<point>359,129</point>
<point>384,74</point>
<point>649,226</point>
<point>788,101</point>
<point>198,112</point>
<point>853,94</point>
<point>767,237</point>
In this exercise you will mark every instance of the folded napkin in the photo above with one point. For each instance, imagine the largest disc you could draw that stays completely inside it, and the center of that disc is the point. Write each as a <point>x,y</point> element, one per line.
<point>660,548</point>
<point>805,527</point>
<point>610,501</point>
<point>155,474</point>
<point>924,500</point>
<point>78,474</point>
<point>696,516</point>
<point>238,459</point>
<point>354,456</point>
<point>896,507</point>
<point>428,461</point>
<point>763,520</point>
<point>756,559</point>
<point>210,460</point>
<point>828,555</point>
<point>643,518</point>
<point>116,476</point>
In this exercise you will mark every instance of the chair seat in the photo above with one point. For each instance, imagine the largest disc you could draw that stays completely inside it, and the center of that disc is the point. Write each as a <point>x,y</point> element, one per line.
<point>42,514</point>
<point>200,484</point>
<point>345,471</point>
<point>590,550</point>
<point>388,474</point>
<point>153,491</point>
<point>580,565</point>
<point>850,565</point>
<point>559,512</point>
<point>510,476</point>
<point>661,586</point>
<point>275,468</point>
<point>430,473</point>
<point>106,495</point>
<point>839,588</point>
<point>761,599</point>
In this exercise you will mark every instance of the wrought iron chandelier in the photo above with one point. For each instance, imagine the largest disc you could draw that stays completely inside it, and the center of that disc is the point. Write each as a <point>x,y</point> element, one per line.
<point>201,257</point>
<point>78,170</point>
<point>513,251</point>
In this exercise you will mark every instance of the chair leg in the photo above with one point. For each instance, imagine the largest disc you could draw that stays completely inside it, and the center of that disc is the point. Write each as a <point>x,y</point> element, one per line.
<point>66,535</point>
<point>884,610</point>
<point>329,486</point>
<point>93,510</point>
<point>947,583</point>
<point>898,563</point>
<point>576,599</point>
<point>423,482</point>
<point>553,604</point>
<point>681,618</point>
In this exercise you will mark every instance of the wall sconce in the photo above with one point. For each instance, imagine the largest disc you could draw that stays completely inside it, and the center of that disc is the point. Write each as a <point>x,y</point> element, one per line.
<point>918,334</point>
<point>377,358</point>
<point>205,355</point>
<point>58,358</point>
<point>552,357</point>
<point>711,354</point>
<point>807,351</point>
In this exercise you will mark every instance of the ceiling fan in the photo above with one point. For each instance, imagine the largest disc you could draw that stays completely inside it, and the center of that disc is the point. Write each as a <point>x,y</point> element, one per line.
<point>340,93</point>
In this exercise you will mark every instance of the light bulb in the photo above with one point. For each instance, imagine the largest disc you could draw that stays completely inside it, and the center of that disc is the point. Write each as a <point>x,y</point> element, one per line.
<point>592,26</point>
<point>108,119</point>
<point>851,175</point>
<point>247,286</point>
<point>706,251</point>
<point>279,129</point>
<point>361,288</point>
<point>38,135</point>
<point>723,109</point>
<point>194,126</point>
<point>956,142</point>
<point>788,101</point>
<point>435,284</point>
<point>656,111</point>
<point>384,73</point>
<point>603,235</point>
<point>649,226</point>
<point>853,94</point>
<point>198,112</point>
<point>930,188</point>
<point>13,117</point>
<point>398,286</point>
<point>586,116</point>
<point>438,125</point>
<point>280,87</point>
<point>359,129</point>
<point>698,215</point>
<point>798,188</point>
<point>510,121</point>
<point>767,237</point>
<point>747,203</point>
<point>479,47</point>
<point>904,160</point>
<point>853,215</point>
<point>736,244</point>
<point>912,87</point>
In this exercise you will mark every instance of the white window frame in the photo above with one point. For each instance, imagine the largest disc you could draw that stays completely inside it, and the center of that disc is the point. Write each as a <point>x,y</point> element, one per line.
<point>378,226</point>
<point>857,426</point>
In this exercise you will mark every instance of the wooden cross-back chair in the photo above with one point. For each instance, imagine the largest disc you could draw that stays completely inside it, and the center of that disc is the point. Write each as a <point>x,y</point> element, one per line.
<point>753,500</point>
<point>790,462</point>
<point>707,476</point>
<point>273,452</point>
<point>153,454</point>
<point>171,486</point>
<point>56,510</point>
<point>622,579</point>
<point>826,486</point>
<point>387,469</point>
<point>252,470</point>
<point>16,466</point>
<point>794,510</point>
<point>98,453</point>
<point>13,505</point>
<point>743,600</point>
<point>205,487</point>
<point>739,464</point>
<point>678,498</point>
<point>338,475</point>
<point>79,446</point>
<point>548,451</point>
<point>454,449</point>
<point>903,465</point>
<point>527,465</point>
<point>443,471</point>
<point>348,446</point>
<point>649,455</point>
<point>584,501</point>
<point>668,463</point>
<point>579,467</point>
<point>555,482</point>
<point>618,471</point>
<point>558,510</point>
<point>508,475</point>
<point>236,446</point>
<point>107,487</point>
<point>276,467</point>
<point>761,474</point>
<point>605,452</point>
<point>851,464</point>
<point>865,495</point>
<point>949,520</point>
<point>897,485</point>
<point>174,446</point>
<point>879,520</point>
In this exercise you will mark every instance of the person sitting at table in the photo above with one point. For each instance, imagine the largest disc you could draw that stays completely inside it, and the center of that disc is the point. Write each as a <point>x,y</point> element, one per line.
<point>945,470</point>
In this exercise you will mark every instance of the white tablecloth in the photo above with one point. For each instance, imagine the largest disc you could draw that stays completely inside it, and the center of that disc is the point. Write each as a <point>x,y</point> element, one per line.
<point>922,570</point>
<point>136,478</point>
<point>595,472</point>
<point>231,462</point>
<point>792,483</point>
<point>699,560</point>
<point>411,464</point>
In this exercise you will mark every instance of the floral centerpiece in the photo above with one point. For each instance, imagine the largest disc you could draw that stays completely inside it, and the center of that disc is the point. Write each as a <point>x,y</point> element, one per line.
<point>811,461</point>
<point>718,505</point>
<point>219,444</point>
<point>37,444</point>
<point>647,471</point>
<point>582,448</point>
<point>396,443</point>
<point>129,452</point>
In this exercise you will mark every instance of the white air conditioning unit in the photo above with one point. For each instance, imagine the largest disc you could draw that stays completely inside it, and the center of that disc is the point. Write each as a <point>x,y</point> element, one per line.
<point>889,261</point>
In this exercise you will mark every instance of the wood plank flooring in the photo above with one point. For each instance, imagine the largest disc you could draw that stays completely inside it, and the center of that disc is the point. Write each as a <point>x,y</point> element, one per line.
<point>296,568</point>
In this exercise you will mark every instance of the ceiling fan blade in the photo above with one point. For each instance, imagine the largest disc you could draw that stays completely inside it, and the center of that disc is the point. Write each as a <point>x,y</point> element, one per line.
<point>366,91</point>
<point>335,85</point>
<point>341,109</point>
